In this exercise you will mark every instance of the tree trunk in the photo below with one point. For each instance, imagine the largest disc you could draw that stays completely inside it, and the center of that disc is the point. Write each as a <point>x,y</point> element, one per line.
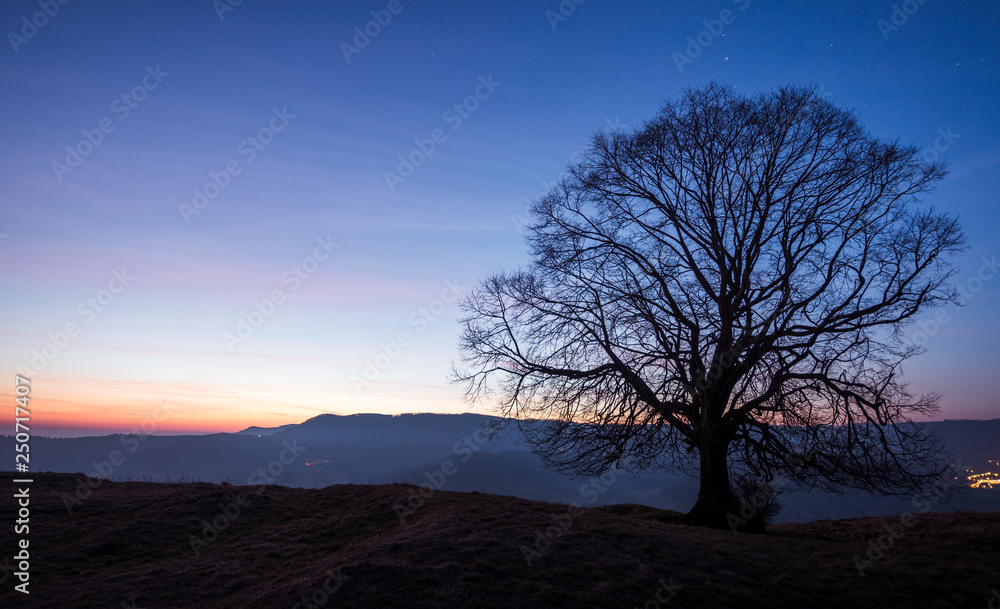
<point>717,507</point>
<point>715,494</point>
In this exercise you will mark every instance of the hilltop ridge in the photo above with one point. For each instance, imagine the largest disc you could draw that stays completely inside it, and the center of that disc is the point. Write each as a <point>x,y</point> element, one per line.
<point>137,544</point>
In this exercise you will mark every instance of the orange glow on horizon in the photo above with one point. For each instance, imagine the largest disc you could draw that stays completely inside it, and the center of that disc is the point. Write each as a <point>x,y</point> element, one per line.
<point>62,406</point>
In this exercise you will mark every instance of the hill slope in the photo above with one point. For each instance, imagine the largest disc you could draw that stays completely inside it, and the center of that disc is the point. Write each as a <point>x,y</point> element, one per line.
<point>137,544</point>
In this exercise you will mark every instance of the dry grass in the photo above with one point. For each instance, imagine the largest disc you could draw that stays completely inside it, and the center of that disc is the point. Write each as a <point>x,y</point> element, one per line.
<point>128,546</point>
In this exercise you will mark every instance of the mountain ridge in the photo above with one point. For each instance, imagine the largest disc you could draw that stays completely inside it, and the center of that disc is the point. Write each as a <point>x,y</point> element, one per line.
<point>373,448</point>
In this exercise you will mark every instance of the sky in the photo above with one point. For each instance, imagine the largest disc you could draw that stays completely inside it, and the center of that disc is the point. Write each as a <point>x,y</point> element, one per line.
<point>222,214</point>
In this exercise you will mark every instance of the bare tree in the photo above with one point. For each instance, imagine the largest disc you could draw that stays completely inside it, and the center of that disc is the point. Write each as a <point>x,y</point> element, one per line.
<point>724,289</point>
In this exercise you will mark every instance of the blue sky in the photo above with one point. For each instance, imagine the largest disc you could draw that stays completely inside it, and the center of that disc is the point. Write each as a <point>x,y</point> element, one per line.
<point>326,130</point>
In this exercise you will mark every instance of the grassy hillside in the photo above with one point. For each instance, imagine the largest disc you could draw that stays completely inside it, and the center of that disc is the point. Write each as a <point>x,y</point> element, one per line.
<point>136,544</point>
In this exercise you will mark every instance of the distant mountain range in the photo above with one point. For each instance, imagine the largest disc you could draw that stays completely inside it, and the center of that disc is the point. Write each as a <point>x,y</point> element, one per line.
<point>449,452</point>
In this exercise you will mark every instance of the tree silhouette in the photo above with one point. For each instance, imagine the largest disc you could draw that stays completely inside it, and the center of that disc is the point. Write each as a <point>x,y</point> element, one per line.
<point>724,289</point>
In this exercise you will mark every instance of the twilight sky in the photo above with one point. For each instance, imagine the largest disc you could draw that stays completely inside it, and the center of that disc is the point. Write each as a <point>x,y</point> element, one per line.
<point>259,213</point>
